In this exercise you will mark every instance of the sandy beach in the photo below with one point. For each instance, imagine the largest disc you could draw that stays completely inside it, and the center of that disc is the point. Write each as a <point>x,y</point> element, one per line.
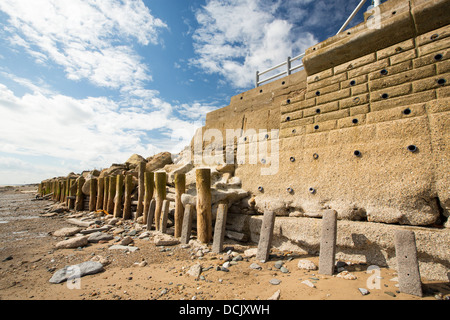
<point>29,258</point>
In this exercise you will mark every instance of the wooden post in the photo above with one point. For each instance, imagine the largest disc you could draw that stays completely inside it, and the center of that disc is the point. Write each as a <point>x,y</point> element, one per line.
<point>160,186</point>
<point>141,189</point>
<point>151,214</point>
<point>79,203</point>
<point>72,192</point>
<point>164,216</point>
<point>149,183</point>
<point>92,194</point>
<point>118,197</point>
<point>67,191</point>
<point>187,224</point>
<point>100,193</point>
<point>106,195</point>
<point>127,197</point>
<point>219,230</point>
<point>62,198</point>
<point>265,236</point>
<point>111,194</point>
<point>204,215</point>
<point>180,188</point>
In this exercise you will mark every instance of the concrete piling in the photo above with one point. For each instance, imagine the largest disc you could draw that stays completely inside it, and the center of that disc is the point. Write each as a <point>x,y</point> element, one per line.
<point>93,194</point>
<point>127,197</point>
<point>106,194</point>
<point>187,224</point>
<point>151,214</point>
<point>180,188</point>
<point>328,242</point>
<point>72,193</point>
<point>407,263</point>
<point>141,189</point>
<point>111,194</point>
<point>79,202</point>
<point>219,229</point>
<point>100,193</point>
<point>265,237</point>
<point>164,216</point>
<point>204,214</point>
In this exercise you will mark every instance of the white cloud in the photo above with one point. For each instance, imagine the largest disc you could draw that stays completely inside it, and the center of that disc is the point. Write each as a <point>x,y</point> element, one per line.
<point>90,39</point>
<point>237,38</point>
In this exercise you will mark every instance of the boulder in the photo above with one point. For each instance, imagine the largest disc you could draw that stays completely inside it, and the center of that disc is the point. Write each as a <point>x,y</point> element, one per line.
<point>114,170</point>
<point>134,161</point>
<point>99,236</point>
<point>158,161</point>
<point>76,271</point>
<point>73,243</point>
<point>66,232</point>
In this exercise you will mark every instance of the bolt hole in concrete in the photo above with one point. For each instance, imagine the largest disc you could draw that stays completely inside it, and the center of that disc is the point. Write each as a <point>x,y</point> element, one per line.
<point>292,159</point>
<point>294,131</point>
<point>384,72</point>
<point>260,189</point>
<point>288,118</point>
<point>266,136</point>
<point>263,161</point>
<point>317,93</point>
<point>316,127</point>
<point>434,36</point>
<point>352,83</point>
<point>385,96</point>
<point>312,190</point>
<point>260,91</point>
<point>284,82</point>
<point>407,111</point>
<point>317,110</point>
<point>438,57</point>
<point>394,12</point>
<point>357,153</point>
<point>412,148</point>
<point>398,49</point>
<point>288,101</point>
<point>441,81</point>
<point>315,156</point>
<point>355,121</point>
<point>289,190</point>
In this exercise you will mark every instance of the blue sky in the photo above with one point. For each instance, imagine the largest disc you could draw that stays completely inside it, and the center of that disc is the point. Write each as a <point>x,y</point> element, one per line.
<point>87,83</point>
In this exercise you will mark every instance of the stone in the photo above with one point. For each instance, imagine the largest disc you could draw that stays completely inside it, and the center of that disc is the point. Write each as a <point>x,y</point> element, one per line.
<point>88,231</point>
<point>66,232</point>
<point>275,282</point>
<point>113,221</point>
<point>275,296</point>
<point>255,266</point>
<point>72,243</point>
<point>195,270</point>
<point>308,283</point>
<point>80,223</point>
<point>249,253</point>
<point>284,269</point>
<point>305,264</point>
<point>363,291</point>
<point>219,228</point>
<point>165,240</point>
<point>134,161</point>
<point>158,161</point>
<point>346,275</point>
<point>99,236</point>
<point>126,241</point>
<point>125,248</point>
<point>76,271</point>
<point>278,264</point>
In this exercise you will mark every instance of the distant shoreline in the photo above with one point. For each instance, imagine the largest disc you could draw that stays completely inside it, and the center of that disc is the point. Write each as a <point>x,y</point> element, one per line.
<point>19,185</point>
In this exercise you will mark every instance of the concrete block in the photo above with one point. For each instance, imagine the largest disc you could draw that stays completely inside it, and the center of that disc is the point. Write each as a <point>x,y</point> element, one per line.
<point>151,214</point>
<point>187,224</point>
<point>265,237</point>
<point>328,242</point>
<point>404,100</point>
<point>164,216</point>
<point>407,263</point>
<point>333,96</point>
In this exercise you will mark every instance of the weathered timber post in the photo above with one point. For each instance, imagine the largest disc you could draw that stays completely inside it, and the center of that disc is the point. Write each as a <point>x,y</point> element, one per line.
<point>219,229</point>
<point>106,194</point>
<point>58,190</point>
<point>328,242</point>
<point>141,189</point>
<point>92,194</point>
<point>47,187</point>
<point>118,197</point>
<point>407,263</point>
<point>160,186</point>
<point>180,188</point>
<point>79,202</point>
<point>66,200</point>
<point>164,216</point>
<point>100,193</point>
<point>265,236</point>
<point>151,214</point>
<point>62,198</point>
<point>204,214</point>
<point>39,191</point>
<point>148,186</point>
<point>127,197</point>
<point>187,224</point>
<point>72,193</point>
<point>111,194</point>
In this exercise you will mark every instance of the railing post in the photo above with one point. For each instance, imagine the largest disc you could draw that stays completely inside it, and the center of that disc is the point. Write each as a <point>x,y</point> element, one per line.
<point>257,79</point>
<point>288,62</point>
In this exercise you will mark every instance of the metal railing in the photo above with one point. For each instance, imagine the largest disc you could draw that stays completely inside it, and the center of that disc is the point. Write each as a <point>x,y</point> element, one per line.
<point>288,63</point>
<point>288,71</point>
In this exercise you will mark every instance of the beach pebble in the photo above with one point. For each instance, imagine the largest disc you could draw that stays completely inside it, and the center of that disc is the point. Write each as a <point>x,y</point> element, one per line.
<point>275,281</point>
<point>255,266</point>
<point>363,291</point>
<point>306,265</point>
<point>308,283</point>
<point>76,271</point>
<point>275,296</point>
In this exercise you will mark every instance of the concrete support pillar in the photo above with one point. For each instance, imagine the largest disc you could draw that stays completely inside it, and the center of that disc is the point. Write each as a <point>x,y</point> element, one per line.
<point>204,214</point>
<point>111,194</point>
<point>265,237</point>
<point>149,183</point>
<point>72,193</point>
<point>160,186</point>
<point>118,197</point>
<point>328,242</point>
<point>106,195</point>
<point>407,263</point>
<point>219,229</point>
<point>187,224</point>
<point>180,188</point>
<point>127,197</point>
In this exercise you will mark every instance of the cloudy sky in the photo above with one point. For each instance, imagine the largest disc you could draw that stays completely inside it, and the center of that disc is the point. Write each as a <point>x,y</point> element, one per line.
<point>87,83</point>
